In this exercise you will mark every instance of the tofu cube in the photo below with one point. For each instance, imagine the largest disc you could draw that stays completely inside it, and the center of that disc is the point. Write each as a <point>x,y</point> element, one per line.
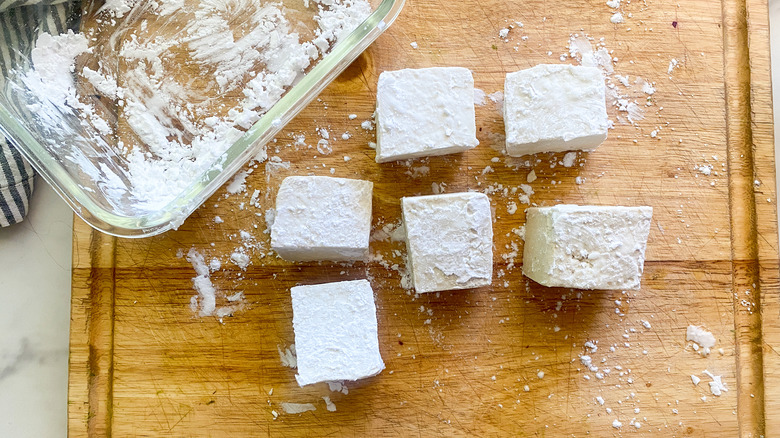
<point>554,108</point>
<point>449,241</point>
<point>322,218</point>
<point>424,112</point>
<point>586,247</point>
<point>335,332</point>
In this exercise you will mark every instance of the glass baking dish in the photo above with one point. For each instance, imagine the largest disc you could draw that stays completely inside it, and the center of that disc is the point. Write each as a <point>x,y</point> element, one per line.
<point>82,148</point>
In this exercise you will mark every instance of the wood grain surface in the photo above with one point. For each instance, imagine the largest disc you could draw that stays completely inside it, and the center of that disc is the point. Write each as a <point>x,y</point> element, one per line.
<point>470,363</point>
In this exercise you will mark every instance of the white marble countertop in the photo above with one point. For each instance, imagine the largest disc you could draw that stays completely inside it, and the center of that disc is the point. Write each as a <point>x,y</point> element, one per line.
<point>34,319</point>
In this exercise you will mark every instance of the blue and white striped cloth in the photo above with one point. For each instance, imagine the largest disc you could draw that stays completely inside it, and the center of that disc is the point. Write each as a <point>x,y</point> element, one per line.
<point>21,21</point>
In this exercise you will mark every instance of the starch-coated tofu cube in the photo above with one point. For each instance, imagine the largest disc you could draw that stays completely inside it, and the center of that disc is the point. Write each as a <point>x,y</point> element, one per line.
<point>586,247</point>
<point>554,108</point>
<point>424,112</point>
<point>449,240</point>
<point>335,332</point>
<point>322,218</point>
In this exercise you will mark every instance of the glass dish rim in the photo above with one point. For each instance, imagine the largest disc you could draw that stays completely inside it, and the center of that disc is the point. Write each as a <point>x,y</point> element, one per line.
<point>245,148</point>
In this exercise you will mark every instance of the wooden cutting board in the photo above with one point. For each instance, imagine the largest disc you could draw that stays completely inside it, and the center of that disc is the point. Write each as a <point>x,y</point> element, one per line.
<point>470,363</point>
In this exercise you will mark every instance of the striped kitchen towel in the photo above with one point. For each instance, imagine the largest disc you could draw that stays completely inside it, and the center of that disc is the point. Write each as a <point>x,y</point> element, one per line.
<point>21,21</point>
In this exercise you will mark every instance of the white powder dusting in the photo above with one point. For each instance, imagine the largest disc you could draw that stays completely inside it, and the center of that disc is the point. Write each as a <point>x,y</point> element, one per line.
<point>338,387</point>
<point>329,404</point>
<point>581,48</point>
<point>238,296</point>
<point>240,259</point>
<point>623,80</point>
<point>337,19</point>
<point>479,97</point>
<point>617,18</point>
<point>51,78</point>
<point>617,424</point>
<point>395,232</point>
<point>117,8</point>
<point>324,147</point>
<point>705,169</point>
<point>673,64</point>
<point>695,379</point>
<point>287,356</point>
<point>701,339</point>
<point>498,99</point>
<point>586,360</point>
<point>238,183</point>
<point>717,387</point>
<point>418,171</point>
<point>647,87</point>
<point>568,159</point>
<point>206,303</point>
<point>105,85</point>
<point>519,232</point>
<point>297,408</point>
<point>525,197</point>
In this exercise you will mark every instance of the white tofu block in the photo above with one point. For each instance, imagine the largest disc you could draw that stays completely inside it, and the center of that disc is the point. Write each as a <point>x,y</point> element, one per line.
<point>335,332</point>
<point>424,112</point>
<point>554,108</point>
<point>449,240</point>
<point>586,247</point>
<point>322,218</point>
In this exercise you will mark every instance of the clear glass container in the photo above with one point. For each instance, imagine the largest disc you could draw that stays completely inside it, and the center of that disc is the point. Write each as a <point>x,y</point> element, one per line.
<point>210,80</point>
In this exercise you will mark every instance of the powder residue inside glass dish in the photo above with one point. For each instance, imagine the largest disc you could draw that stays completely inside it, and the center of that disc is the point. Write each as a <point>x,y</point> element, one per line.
<point>162,90</point>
